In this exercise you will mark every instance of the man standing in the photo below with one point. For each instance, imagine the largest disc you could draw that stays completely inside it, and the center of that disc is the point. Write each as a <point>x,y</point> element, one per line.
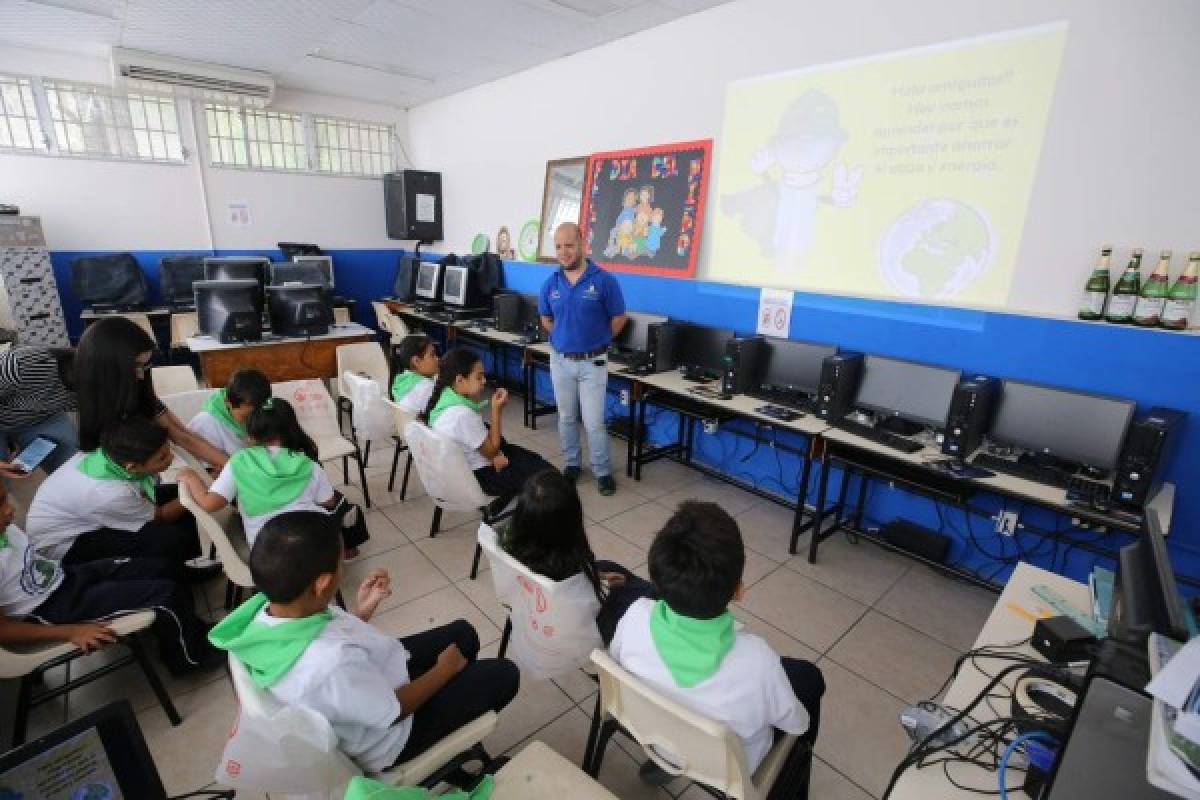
<point>582,308</point>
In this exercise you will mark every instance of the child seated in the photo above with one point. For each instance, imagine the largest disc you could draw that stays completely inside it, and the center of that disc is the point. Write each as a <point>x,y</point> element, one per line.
<point>685,645</point>
<point>547,535</point>
<point>222,423</point>
<point>453,410</point>
<point>106,504</point>
<point>43,601</point>
<point>388,700</point>
<point>277,473</point>
<point>416,366</point>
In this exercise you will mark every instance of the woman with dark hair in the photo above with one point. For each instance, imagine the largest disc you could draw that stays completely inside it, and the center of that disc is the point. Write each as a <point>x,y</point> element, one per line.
<point>112,379</point>
<point>547,535</point>
<point>36,394</point>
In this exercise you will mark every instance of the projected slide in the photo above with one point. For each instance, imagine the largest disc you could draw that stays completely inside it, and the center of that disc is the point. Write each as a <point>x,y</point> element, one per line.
<point>904,175</point>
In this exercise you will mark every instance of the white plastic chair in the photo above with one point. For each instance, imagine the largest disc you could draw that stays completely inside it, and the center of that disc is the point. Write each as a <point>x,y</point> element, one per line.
<point>365,358</point>
<point>28,663</point>
<point>296,755</point>
<point>389,323</point>
<point>701,749</point>
<point>318,416</point>
<point>173,380</point>
<point>184,325</point>
<point>223,531</point>
<point>448,480</point>
<point>341,315</point>
<point>402,418</point>
<point>551,625</point>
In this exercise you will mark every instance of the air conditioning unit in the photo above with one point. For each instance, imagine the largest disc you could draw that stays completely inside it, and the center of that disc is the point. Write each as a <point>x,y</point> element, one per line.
<point>132,67</point>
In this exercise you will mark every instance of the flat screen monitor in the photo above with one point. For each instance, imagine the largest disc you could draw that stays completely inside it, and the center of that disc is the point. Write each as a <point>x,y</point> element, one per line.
<point>302,310</point>
<point>920,393</point>
<point>284,273</point>
<point>633,336</point>
<point>454,285</point>
<point>428,279</point>
<point>176,275</point>
<point>230,311</point>
<point>323,263</point>
<point>102,754</point>
<point>1145,597</point>
<point>702,347</point>
<point>1079,428</point>
<point>793,366</point>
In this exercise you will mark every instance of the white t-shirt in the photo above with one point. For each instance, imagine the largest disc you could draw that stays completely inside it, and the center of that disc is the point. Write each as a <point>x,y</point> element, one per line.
<point>26,578</point>
<point>216,433</point>
<point>749,692</point>
<point>417,397</point>
<point>318,491</point>
<point>465,426</point>
<point>349,675</point>
<point>69,504</point>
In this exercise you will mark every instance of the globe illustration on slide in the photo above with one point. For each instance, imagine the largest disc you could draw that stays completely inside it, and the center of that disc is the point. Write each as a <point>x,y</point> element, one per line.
<point>936,249</point>
<point>93,791</point>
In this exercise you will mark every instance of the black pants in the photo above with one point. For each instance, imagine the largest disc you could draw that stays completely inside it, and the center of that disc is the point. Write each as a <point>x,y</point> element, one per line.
<point>522,465</point>
<point>174,541</point>
<point>354,531</point>
<point>809,686</point>
<point>620,598</point>
<point>483,685</point>
<point>99,590</point>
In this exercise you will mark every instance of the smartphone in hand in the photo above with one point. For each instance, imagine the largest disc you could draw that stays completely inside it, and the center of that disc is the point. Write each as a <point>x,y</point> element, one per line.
<point>34,454</point>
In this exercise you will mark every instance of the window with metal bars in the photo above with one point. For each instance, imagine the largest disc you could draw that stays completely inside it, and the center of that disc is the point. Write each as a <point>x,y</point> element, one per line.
<point>254,138</point>
<point>20,128</point>
<point>347,147</point>
<point>94,121</point>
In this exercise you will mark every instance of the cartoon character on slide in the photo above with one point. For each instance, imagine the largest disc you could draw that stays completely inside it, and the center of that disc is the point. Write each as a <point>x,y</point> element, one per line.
<point>781,214</point>
<point>628,213</point>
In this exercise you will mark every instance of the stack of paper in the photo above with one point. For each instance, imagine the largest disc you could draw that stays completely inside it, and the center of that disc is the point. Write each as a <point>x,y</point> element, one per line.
<point>1173,758</point>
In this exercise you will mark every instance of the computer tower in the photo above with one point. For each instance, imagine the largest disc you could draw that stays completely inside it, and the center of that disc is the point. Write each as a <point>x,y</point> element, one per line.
<point>413,205</point>
<point>1146,451</point>
<point>660,348</point>
<point>743,360</point>
<point>507,307</point>
<point>970,415</point>
<point>840,374</point>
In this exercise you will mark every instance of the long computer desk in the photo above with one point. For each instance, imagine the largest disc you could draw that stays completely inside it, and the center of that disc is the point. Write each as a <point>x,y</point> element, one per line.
<point>280,359</point>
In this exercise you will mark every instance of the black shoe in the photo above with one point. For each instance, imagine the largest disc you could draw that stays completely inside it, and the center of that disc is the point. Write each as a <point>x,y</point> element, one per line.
<point>653,774</point>
<point>606,485</point>
<point>572,474</point>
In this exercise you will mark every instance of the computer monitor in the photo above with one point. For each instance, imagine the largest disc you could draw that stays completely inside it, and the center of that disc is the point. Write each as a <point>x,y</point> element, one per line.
<point>407,269</point>
<point>230,311</point>
<point>1145,597</point>
<point>429,281</point>
<point>793,366</point>
<point>102,754</point>
<point>1071,426</point>
<point>531,318</point>
<point>237,268</point>
<point>456,281</point>
<point>285,273</point>
<point>323,263</point>
<point>302,310</point>
<point>701,348</point>
<point>113,280</point>
<point>176,274</point>
<point>919,393</point>
<point>633,336</point>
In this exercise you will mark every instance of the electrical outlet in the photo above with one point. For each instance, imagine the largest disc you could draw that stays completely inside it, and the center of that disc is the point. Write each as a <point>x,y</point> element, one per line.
<point>624,397</point>
<point>1006,523</point>
<point>710,426</point>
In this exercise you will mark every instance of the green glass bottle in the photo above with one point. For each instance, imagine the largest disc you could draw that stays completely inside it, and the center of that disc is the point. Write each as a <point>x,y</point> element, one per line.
<point>1125,293</point>
<point>1181,300</point>
<point>1095,292</point>
<point>1149,308</point>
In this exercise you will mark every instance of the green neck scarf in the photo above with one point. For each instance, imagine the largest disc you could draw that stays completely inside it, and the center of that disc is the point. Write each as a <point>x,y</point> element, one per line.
<point>405,382</point>
<point>267,482</point>
<point>268,651</point>
<point>361,788</point>
<point>692,649</point>
<point>215,405</point>
<point>4,539</point>
<point>98,465</point>
<point>452,398</point>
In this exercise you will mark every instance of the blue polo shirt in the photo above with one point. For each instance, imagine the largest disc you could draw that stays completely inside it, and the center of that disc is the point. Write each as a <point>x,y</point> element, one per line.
<point>582,313</point>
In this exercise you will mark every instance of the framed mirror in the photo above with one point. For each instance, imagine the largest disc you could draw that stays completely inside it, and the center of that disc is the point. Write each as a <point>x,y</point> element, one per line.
<point>562,199</point>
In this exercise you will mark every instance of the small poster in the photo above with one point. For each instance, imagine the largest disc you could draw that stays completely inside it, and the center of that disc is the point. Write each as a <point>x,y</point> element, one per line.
<point>239,214</point>
<point>426,207</point>
<point>643,209</point>
<point>775,312</point>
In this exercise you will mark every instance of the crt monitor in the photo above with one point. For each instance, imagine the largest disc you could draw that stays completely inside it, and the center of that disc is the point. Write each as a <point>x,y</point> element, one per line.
<point>237,268</point>
<point>1071,426</point>
<point>111,280</point>
<point>919,393</point>
<point>176,275</point>
<point>1145,598</point>
<point>633,336</point>
<point>302,310</point>
<point>230,311</point>
<point>701,347</point>
<point>455,280</point>
<point>793,366</point>
<point>284,273</point>
<point>429,281</point>
<point>322,263</point>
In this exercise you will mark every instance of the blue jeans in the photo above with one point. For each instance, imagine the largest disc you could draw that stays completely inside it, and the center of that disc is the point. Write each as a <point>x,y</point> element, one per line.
<point>582,386</point>
<point>58,429</point>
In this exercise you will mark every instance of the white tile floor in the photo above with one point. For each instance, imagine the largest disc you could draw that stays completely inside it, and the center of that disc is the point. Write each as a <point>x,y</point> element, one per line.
<point>864,615</point>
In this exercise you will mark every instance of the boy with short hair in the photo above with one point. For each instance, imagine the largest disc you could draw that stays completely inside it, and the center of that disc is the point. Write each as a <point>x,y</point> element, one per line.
<point>388,700</point>
<point>685,644</point>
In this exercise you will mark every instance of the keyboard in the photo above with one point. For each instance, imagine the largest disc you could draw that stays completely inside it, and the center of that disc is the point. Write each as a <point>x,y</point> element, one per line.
<point>880,437</point>
<point>1088,491</point>
<point>779,412</point>
<point>793,400</point>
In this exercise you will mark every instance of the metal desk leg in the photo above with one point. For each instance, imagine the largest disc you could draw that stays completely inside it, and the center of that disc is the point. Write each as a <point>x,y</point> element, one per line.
<point>629,444</point>
<point>637,457</point>
<point>801,500</point>
<point>862,499</point>
<point>843,485</point>
<point>820,513</point>
<point>526,376</point>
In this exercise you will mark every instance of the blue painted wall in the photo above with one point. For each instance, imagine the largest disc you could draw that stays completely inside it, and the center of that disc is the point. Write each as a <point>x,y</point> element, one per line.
<point>1151,367</point>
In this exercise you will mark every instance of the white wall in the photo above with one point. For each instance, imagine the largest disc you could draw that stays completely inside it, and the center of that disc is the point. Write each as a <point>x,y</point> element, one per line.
<point>1119,162</point>
<point>101,205</point>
